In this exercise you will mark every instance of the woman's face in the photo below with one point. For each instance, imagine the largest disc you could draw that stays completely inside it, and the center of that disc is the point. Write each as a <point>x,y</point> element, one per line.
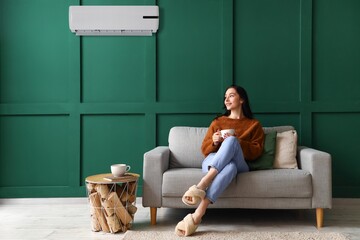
<point>232,99</point>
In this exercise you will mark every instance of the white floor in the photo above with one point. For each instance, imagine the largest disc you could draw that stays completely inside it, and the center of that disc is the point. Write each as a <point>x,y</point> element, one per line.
<point>68,218</point>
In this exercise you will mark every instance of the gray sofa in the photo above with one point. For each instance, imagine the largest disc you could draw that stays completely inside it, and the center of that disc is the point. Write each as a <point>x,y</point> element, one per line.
<point>170,170</point>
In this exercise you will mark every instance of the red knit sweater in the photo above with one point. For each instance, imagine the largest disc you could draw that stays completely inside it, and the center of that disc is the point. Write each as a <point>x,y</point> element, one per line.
<point>249,132</point>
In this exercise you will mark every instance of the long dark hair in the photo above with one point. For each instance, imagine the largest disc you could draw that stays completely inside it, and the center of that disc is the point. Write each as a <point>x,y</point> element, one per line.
<point>246,104</point>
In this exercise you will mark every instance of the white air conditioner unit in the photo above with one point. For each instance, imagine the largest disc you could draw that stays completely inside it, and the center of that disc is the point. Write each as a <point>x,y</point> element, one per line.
<point>114,20</point>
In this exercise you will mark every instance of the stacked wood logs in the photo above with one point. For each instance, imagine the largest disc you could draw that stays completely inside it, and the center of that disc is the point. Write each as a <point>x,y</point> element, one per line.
<point>112,206</point>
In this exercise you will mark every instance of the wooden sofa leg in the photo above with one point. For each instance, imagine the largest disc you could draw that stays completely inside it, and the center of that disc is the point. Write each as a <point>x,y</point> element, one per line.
<point>319,217</point>
<point>153,215</point>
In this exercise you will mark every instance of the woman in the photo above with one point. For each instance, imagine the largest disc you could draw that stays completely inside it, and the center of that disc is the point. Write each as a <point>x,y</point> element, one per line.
<point>226,155</point>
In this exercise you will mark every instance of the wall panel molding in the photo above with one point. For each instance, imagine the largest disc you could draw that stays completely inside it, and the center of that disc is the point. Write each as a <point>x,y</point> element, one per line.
<point>298,60</point>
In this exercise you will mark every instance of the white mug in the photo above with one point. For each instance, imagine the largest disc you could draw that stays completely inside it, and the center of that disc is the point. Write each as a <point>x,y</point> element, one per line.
<point>118,170</point>
<point>228,131</point>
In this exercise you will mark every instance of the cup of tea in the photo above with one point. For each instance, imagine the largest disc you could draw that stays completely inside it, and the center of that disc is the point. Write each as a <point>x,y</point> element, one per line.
<point>230,132</point>
<point>118,170</point>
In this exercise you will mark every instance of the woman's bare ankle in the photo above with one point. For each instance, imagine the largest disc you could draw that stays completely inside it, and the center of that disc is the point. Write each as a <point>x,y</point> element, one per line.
<point>196,218</point>
<point>207,179</point>
<point>202,186</point>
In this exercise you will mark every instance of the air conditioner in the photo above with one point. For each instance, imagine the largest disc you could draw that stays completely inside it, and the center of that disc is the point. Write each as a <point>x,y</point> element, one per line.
<point>114,20</point>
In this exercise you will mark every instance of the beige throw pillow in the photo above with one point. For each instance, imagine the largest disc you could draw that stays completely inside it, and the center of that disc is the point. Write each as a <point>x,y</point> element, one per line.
<point>286,146</point>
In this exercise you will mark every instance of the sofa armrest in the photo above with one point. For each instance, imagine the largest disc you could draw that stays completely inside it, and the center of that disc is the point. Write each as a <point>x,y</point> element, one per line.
<point>156,162</point>
<point>318,163</point>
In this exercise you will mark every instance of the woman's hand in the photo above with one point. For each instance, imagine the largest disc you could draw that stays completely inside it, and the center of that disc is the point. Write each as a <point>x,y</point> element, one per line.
<point>226,135</point>
<point>216,137</point>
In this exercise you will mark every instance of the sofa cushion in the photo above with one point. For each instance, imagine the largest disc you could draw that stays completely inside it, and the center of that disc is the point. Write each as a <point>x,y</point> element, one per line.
<point>177,181</point>
<point>278,129</point>
<point>273,183</point>
<point>266,160</point>
<point>185,146</point>
<point>280,183</point>
<point>286,146</point>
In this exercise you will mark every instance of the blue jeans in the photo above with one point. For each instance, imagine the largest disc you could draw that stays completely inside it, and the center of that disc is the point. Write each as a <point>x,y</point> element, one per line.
<point>228,161</point>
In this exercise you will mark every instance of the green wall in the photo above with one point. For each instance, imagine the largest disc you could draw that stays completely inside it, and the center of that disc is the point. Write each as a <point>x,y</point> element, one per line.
<point>72,106</point>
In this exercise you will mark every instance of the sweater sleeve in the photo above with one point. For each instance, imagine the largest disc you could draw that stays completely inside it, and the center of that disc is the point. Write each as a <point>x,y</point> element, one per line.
<point>253,147</point>
<point>207,146</point>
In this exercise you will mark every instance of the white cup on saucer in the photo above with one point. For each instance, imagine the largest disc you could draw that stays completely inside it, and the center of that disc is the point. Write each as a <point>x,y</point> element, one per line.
<point>118,170</point>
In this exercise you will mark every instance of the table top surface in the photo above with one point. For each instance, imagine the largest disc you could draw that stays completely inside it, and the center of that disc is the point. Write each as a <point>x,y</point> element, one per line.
<point>108,178</point>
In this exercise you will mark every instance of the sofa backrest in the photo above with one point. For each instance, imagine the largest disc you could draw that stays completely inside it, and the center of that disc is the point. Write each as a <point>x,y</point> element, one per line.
<point>185,145</point>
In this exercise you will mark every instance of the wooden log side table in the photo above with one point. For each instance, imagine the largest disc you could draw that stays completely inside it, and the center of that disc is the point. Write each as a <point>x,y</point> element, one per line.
<point>112,201</point>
